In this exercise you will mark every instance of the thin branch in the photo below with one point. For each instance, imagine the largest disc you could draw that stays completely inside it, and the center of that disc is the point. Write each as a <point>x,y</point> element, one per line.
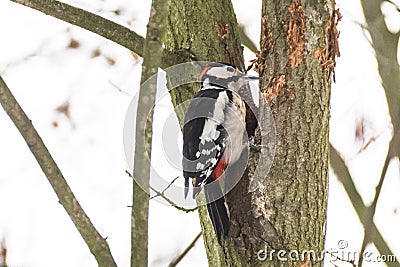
<point>89,21</point>
<point>165,189</point>
<point>172,203</point>
<point>170,184</point>
<point>162,195</point>
<point>96,243</point>
<point>343,175</point>
<point>183,254</point>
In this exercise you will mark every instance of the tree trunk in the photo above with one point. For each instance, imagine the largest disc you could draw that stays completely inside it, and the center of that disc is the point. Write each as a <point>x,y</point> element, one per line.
<point>288,212</point>
<point>298,49</point>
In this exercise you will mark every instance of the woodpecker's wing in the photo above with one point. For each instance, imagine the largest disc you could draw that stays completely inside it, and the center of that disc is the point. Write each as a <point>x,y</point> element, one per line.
<point>204,137</point>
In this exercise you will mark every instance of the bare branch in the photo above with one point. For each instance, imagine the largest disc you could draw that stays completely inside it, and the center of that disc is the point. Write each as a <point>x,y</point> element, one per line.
<point>385,45</point>
<point>183,254</point>
<point>162,195</point>
<point>343,175</point>
<point>96,243</point>
<point>173,204</point>
<point>89,21</point>
<point>170,184</point>
<point>166,188</point>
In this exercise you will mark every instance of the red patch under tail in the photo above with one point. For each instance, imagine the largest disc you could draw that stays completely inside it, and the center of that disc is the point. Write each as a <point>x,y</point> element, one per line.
<point>219,169</point>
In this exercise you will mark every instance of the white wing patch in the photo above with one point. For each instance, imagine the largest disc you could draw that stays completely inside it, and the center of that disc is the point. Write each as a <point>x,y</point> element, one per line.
<point>200,166</point>
<point>210,132</point>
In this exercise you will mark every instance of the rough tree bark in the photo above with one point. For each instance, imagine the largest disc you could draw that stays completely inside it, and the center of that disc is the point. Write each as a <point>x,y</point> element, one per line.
<point>298,48</point>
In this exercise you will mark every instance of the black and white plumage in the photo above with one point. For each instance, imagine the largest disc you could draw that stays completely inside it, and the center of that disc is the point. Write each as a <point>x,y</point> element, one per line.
<point>213,137</point>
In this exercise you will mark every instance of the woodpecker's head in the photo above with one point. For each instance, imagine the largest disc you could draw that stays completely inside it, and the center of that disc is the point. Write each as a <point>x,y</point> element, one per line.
<point>224,75</point>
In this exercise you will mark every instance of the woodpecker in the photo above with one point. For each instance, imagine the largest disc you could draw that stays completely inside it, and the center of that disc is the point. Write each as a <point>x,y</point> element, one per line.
<point>214,137</point>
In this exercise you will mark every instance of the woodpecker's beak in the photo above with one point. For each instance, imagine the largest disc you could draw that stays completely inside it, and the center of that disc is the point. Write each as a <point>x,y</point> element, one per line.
<point>249,77</point>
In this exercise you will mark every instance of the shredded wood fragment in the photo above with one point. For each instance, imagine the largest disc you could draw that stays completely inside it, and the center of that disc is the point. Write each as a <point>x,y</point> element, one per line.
<point>327,55</point>
<point>267,47</point>
<point>295,33</point>
<point>222,29</point>
<point>276,88</point>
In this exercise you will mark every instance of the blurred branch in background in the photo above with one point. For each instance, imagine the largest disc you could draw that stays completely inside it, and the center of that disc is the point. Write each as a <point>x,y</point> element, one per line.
<point>185,252</point>
<point>96,243</point>
<point>385,46</point>
<point>341,171</point>
<point>246,40</point>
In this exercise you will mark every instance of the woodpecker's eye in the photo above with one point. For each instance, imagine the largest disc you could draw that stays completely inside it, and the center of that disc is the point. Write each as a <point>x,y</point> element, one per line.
<point>230,69</point>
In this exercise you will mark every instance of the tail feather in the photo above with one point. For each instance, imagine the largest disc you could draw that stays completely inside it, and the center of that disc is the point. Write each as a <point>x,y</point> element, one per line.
<point>217,210</point>
<point>186,187</point>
